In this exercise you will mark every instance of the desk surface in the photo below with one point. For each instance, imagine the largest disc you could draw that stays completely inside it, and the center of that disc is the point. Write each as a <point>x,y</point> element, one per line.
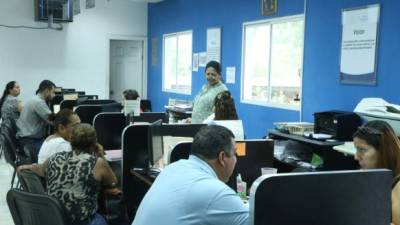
<point>299,138</point>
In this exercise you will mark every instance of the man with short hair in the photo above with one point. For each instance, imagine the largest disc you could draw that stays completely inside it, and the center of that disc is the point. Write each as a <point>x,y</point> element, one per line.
<point>34,119</point>
<point>193,191</point>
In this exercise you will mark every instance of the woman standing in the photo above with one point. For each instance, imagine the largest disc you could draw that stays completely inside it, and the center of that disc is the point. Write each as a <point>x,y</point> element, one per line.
<point>204,101</point>
<point>9,104</point>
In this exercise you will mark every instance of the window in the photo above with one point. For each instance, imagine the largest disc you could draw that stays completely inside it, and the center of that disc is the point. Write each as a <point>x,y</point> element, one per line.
<point>177,63</point>
<point>272,62</point>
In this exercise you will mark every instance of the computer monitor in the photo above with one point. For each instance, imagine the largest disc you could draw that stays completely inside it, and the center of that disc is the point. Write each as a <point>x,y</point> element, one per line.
<point>112,107</point>
<point>56,108</point>
<point>70,96</point>
<point>155,142</point>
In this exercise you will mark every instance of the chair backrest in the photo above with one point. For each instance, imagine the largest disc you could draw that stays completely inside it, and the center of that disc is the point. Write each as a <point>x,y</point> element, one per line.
<point>35,209</point>
<point>31,182</point>
<point>180,151</point>
<point>9,149</point>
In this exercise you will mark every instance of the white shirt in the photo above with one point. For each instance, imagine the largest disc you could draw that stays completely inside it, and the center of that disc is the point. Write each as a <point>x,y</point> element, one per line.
<point>52,146</point>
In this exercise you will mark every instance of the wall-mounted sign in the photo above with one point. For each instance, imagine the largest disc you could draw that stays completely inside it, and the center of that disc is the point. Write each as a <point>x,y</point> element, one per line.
<point>269,7</point>
<point>359,45</point>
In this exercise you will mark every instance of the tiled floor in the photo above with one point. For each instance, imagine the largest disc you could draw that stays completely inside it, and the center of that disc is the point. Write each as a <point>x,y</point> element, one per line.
<point>5,182</point>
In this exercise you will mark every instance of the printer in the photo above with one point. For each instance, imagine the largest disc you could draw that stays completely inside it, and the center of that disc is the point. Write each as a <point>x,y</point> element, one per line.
<point>379,109</point>
<point>340,124</point>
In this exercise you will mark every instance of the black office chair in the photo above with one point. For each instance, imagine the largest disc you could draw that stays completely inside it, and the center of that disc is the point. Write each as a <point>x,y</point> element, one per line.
<point>145,105</point>
<point>31,182</point>
<point>180,151</point>
<point>9,154</point>
<point>35,209</point>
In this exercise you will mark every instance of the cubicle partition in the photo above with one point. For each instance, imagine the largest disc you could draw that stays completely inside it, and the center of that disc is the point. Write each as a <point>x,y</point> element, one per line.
<point>109,127</point>
<point>359,197</point>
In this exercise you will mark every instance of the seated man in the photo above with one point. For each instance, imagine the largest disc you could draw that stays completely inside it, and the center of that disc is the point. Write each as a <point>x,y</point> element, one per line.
<point>193,191</point>
<point>34,119</point>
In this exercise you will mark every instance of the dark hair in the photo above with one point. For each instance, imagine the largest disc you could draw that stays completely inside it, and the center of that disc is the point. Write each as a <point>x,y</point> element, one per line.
<point>380,135</point>
<point>83,138</point>
<point>131,94</point>
<point>63,117</point>
<point>214,64</point>
<point>225,107</point>
<point>9,86</point>
<point>44,85</point>
<point>211,140</point>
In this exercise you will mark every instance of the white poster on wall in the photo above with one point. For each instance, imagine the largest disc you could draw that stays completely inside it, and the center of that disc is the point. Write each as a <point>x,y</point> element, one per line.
<point>196,62</point>
<point>359,44</point>
<point>214,44</point>
<point>230,75</point>
<point>202,59</point>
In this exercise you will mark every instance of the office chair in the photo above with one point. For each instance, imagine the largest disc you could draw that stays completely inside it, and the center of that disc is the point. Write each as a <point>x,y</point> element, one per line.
<point>35,209</point>
<point>31,182</point>
<point>9,154</point>
<point>180,151</point>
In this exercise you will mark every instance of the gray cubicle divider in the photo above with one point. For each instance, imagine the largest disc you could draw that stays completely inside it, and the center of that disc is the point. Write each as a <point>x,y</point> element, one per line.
<point>87,112</point>
<point>109,127</point>
<point>357,197</point>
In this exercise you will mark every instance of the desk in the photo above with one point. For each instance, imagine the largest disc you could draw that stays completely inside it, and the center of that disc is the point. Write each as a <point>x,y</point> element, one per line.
<point>142,177</point>
<point>177,113</point>
<point>333,160</point>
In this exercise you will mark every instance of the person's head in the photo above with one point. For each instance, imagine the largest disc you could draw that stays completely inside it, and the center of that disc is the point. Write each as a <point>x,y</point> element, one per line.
<point>216,146</point>
<point>224,107</point>
<point>130,94</point>
<point>46,90</point>
<point>83,138</point>
<point>12,88</point>
<point>213,72</point>
<point>64,121</point>
<point>377,146</point>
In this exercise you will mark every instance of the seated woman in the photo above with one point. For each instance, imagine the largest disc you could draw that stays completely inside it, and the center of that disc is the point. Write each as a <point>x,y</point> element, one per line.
<point>59,141</point>
<point>378,147</point>
<point>224,108</point>
<point>75,177</point>
<point>10,106</point>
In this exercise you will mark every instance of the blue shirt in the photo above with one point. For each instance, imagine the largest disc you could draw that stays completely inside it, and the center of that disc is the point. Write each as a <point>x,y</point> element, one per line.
<point>189,192</point>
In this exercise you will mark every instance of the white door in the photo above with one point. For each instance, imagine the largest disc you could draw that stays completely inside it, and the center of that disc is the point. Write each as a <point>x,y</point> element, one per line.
<point>126,67</point>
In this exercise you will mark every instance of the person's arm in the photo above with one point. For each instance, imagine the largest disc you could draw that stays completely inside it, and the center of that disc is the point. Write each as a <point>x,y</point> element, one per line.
<point>20,106</point>
<point>43,111</point>
<point>396,204</point>
<point>39,169</point>
<point>104,174</point>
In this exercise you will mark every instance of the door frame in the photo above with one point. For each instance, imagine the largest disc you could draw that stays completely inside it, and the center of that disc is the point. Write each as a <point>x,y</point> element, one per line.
<point>144,65</point>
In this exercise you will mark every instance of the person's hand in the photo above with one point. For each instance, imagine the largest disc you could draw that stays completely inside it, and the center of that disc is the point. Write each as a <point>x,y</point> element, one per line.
<point>99,150</point>
<point>23,167</point>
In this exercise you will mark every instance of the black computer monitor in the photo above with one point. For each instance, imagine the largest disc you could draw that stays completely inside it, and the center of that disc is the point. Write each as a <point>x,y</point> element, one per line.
<point>155,142</point>
<point>112,107</point>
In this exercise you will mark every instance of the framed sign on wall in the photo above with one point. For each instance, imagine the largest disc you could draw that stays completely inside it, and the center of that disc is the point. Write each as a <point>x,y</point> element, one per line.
<point>359,45</point>
<point>269,7</point>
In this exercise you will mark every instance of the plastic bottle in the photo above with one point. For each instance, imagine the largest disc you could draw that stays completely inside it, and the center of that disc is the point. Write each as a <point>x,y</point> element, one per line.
<point>240,187</point>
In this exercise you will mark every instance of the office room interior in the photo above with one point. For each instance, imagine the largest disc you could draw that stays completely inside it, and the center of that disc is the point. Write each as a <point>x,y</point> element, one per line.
<point>79,55</point>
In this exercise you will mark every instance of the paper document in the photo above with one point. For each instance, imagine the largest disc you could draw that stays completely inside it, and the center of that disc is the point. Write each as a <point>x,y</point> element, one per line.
<point>236,126</point>
<point>132,106</point>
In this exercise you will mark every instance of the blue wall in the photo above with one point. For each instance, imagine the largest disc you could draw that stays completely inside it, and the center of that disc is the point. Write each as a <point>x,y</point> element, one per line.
<point>321,87</point>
